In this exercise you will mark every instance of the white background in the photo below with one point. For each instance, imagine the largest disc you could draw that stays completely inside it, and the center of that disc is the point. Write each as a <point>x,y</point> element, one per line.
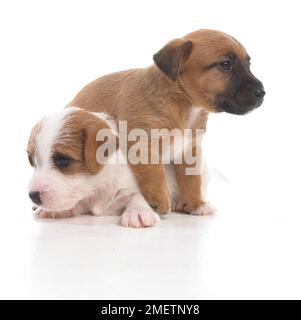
<point>49,50</point>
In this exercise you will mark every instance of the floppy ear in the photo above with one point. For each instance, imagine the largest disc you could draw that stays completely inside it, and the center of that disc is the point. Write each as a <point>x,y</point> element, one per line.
<point>98,136</point>
<point>90,149</point>
<point>171,56</point>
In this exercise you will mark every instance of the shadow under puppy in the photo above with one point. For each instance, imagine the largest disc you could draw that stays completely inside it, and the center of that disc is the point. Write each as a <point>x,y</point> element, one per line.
<point>68,180</point>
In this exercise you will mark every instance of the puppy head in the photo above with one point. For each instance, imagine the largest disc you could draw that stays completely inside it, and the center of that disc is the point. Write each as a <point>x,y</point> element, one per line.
<point>213,69</point>
<point>62,149</point>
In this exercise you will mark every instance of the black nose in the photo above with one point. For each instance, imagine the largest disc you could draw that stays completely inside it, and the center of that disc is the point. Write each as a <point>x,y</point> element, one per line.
<point>35,197</point>
<point>259,93</point>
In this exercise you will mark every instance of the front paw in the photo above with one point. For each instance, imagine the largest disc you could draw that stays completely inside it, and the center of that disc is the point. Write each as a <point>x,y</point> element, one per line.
<point>139,218</point>
<point>159,202</point>
<point>41,213</point>
<point>196,207</point>
<point>204,209</point>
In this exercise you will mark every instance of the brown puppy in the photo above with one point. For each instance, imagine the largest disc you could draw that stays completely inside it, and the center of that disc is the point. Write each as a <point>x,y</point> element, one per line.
<point>205,71</point>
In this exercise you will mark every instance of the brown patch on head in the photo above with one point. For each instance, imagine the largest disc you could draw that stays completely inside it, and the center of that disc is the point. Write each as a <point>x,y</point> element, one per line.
<point>31,145</point>
<point>77,142</point>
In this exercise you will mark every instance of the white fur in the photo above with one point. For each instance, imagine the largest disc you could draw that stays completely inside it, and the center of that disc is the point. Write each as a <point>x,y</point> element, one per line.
<point>194,114</point>
<point>204,210</point>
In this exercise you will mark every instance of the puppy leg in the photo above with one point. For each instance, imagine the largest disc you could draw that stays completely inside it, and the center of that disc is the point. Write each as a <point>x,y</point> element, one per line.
<point>41,213</point>
<point>191,193</point>
<point>190,198</point>
<point>139,214</point>
<point>189,188</point>
<point>151,179</point>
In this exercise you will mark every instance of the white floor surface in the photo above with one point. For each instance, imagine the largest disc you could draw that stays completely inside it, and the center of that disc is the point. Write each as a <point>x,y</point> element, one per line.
<point>231,255</point>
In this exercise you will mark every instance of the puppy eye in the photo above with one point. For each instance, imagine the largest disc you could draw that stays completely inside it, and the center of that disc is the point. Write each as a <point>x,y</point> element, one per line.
<point>61,161</point>
<point>226,65</point>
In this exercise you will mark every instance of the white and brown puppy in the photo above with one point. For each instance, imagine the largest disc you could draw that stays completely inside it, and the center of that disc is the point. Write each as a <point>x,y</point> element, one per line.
<point>68,180</point>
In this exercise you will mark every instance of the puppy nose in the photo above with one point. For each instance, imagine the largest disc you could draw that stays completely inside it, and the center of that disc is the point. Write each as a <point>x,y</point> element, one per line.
<point>259,92</point>
<point>35,197</point>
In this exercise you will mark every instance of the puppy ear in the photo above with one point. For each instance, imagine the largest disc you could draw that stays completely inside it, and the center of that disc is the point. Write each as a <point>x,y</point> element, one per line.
<point>90,149</point>
<point>98,137</point>
<point>171,56</point>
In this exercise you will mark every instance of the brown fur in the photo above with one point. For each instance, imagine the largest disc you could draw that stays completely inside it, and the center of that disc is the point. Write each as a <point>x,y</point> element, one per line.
<point>31,146</point>
<point>77,140</point>
<point>163,96</point>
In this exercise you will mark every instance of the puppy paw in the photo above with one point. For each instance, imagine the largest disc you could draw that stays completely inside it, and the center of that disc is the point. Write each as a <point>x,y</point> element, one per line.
<point>159,202</point>
<point>204,209</point>
<point>196,207</point>
<point>179,206</point>
<point>139,218</point>
<point>41,213</point>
